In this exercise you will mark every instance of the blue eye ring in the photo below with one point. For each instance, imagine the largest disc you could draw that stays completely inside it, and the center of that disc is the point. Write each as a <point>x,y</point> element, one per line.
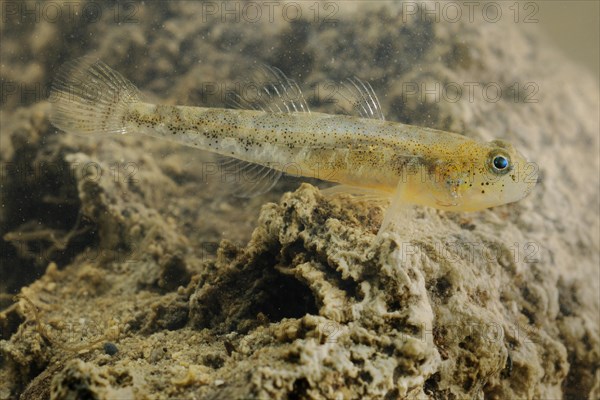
<point>499,163</point>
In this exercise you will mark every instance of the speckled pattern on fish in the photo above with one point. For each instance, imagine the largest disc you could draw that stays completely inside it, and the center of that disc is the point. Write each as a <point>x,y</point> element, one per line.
<point>413,164</point>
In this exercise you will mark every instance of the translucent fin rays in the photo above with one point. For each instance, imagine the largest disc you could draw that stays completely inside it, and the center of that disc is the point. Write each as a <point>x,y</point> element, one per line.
<point>362,98</point>
<point>271,91</point>
<point>247,179</point>
<point>89,97</point>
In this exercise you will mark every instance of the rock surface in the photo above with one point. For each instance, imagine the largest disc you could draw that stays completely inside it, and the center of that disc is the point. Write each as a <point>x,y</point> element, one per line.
<point>127,290</point>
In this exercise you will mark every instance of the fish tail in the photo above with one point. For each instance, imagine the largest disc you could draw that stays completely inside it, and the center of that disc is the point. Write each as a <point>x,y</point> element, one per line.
<point>89,97</point>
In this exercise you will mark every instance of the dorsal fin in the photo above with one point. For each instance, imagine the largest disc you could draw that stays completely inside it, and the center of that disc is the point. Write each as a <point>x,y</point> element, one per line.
<point>360,98</point>
<point>270,90</point>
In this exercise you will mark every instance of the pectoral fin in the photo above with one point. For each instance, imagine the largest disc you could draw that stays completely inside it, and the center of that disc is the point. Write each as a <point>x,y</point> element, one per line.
<point>397,209</point>
<point>246,179</point>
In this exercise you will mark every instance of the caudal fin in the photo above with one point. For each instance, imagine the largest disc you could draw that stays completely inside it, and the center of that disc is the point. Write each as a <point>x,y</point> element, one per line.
<point>89,97</point>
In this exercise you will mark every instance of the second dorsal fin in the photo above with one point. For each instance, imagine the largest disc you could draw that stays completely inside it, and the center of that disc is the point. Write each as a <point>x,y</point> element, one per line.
<point>358,98</point>
<point>270,90</point>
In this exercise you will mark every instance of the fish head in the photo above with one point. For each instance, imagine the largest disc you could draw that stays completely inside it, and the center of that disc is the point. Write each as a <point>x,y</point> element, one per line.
<point>481,175</point>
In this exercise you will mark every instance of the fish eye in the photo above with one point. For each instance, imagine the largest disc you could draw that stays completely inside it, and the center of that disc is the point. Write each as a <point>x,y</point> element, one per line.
<point>500,163</point>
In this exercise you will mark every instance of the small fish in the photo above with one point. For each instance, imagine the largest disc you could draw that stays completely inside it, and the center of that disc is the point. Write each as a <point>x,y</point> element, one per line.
<point>276,133</point>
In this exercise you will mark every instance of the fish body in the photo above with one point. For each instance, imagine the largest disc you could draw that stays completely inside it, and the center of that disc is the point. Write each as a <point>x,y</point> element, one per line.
<point>416,165</point>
